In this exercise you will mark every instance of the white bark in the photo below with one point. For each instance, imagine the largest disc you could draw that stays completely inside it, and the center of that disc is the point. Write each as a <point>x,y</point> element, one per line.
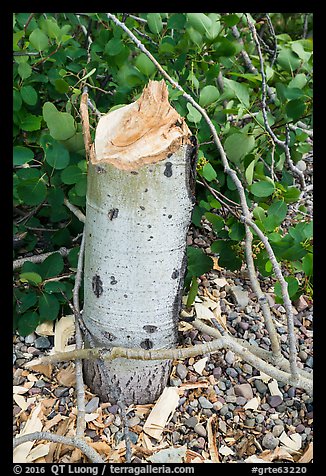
<point>137,217</point>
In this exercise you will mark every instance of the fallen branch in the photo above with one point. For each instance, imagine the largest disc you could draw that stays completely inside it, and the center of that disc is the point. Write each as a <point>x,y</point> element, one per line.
<point>18,263</point>
<point>74,210</point>
<point>74,441</point>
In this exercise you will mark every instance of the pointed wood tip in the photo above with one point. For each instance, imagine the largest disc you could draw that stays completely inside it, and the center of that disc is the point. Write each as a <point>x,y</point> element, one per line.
<point>142,132</point>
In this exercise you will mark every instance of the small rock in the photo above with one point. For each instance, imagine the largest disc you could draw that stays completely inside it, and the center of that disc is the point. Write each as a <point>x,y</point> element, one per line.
<point>181,371</point>
<point>229,357</point>
<point>224,410</point>
<point>61,392</point>
<point>301,304</point>
<point>233,315</point>
<point>270,442</point>
<point>247,368</point>
<point>251,422</point>
<point>241,401</point>
<point>113,409</point>
<point>310,362</point>
<point>113,428</point>
<point>291,392</point>
<point>231,372</point>
<point>176,437</point>
<point>221,385</point>
<point>200,430</point>
<point>302,355</point>
<point>200,443</point>
<point>40,383</point>
<point>133,437</point>
<point>260,418</point>
<point>204,403</point>
<point>278,430</point>
<point>217,372</point>
<point>30,338</point>
<point>231,398</point>
<point>92,405</point>
<point>301,165</point>
<point>175,381</point>
<point>191,422</point>
<point>274,400</point>
<point>244,325</point>
<point>240,296</point>
<point>217,406</point>
<point>300,428</point>
<point>281,408</point>
<point>117,421</point>
<point>133,421</point>
<point>244,390</point>
<point>42,342</point>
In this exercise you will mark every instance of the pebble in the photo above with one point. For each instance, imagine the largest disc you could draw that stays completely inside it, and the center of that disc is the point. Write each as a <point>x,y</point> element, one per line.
<point>40,383</point>
<point>200,430</point>
<point>42,342</point>
<point>260,418</point>
<point>278,430</point>
<point>251,422</point>
<point>224,410</point>
<point>274,400</point>
<point>61,392</point>
<point>200,443</point>
<point>261,386</point>
<point>244,390</point>
<point>204,403</point>
<point>281,408</point>
<point>133,437</point>
<point>217,372</point>
<point>244,325</point>
<point>181,371</point>
<point>231,372</point>
<point>30,338</point>
<point>221,385</point>
<point>233,315</point>
<point>113,428</point>
<point>270,442</point>
<point>92,405</point>
<point>175,381</point>
<point>217,405</point>
<point>117,420</point>
<point>176,437</point>
<point>191,422</point>
<point>113,409</point>
<point>247,368</point>
<point>300,428</point>
<point>241,401</point>
<point>303,355</point>
<point>310,362</point>
<point>229,357</point>
<point>291,392</point>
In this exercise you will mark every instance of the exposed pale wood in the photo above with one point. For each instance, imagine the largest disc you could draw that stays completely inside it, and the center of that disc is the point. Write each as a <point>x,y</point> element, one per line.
<point>142,132</point>
<point>162,410</point>
<point>211,437</point>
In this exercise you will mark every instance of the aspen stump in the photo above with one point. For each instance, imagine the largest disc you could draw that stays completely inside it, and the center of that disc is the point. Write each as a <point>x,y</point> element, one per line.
<point>140,198</point>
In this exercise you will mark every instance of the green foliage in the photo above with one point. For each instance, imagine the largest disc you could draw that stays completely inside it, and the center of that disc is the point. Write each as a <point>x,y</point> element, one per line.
<point>52,61</point>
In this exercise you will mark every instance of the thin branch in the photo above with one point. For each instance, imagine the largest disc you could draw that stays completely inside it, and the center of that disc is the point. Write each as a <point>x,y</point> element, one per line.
<point>272,31</point>
<point>213,346</point>
<point>74,441</point>
<point>305,25</point>
<point>18,263</point>
<point>85,123</point>
<point>275,139</point>
<point>75,210</point>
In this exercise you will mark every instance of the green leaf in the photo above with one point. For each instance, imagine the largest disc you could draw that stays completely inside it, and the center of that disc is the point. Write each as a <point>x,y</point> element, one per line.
<point>237,231</point>
<point>259,213</point>
<point>291,195</point>
<point>56,154</point>
<point>200,22</point>
<point>48,307</point>
<point>307,264</point>
<point>24,70</point>
<point>54,287</point>
<point>25,300</point>
<point>52,266</point>
<point>198,261</point>
<point>278,209</point>
<point>145,65</point>
<point>288,60</point>
<point>22,155</point>
<point>293,286</point>
<point>208,172</point>
<point>31,123</point>
<point>192,291</point>
<point>228,257</point>
<point>193,115</point>
<point>32,192</point>
<point>208,95</point>
<point>61,124</point>
<point>38,39</point>
<point>154,22</point>
<point>299,81</point>
<point>32,278</point>
<point>262,189</point>
<point>238,145</point>
<point>61,86</point>
<point>17,100</point>
<point>249,173</point>
<point>27,323</point>
<point>295,109</point>
<point>29,95</point>
<point>72,174</point>
<point>239,89</point>
<point>216,221</point>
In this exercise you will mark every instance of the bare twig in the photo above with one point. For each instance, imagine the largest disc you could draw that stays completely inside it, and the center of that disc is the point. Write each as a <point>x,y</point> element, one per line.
<point>18,263</point>
<point>74,441</point>
<point>305,25</point>
<point>272,31</point>
<point>275,139</point>
<point>74,210</point>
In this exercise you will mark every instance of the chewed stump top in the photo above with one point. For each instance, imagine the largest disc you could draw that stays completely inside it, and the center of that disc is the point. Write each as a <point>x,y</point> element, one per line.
<point>143,132</point>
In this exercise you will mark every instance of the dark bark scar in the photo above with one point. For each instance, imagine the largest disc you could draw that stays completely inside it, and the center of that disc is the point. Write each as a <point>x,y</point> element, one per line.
<point>97,285</point>
<point>168,169</point>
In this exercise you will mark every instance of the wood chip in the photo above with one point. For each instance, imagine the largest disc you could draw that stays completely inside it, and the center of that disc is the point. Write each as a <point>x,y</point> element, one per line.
<point>274,389</point>
<point>161,412</point>
<point>64,329</point>
<point>21,401</point>
<point>200,365</point>
<point>45,329</point>
<point>20,390</point>
<point>169,455</point>
<point>225,451</point>
<point>203,312</point>
<point>292,443</point>
<point>252,404</point>
<point>220,282</point>
<point>33,424</point>
<point>38,452</point>
<point>211,437</point>
<point>307,455</point>
<point>67,376</point>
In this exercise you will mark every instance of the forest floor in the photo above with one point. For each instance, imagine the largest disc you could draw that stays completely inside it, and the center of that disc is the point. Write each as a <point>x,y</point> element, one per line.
<point>225,411</point>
